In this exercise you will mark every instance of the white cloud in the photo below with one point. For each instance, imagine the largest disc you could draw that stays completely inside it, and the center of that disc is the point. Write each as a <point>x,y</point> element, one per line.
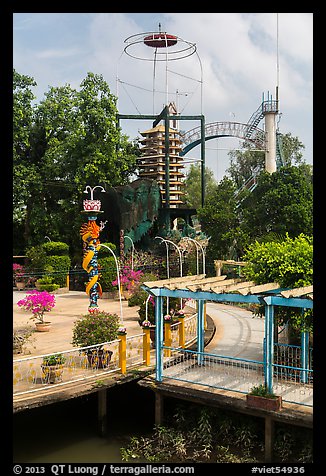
<point>237,51</point>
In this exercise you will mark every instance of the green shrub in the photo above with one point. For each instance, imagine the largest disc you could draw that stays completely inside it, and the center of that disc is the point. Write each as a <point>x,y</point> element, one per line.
<point>108,273</point>
<point>46,284</point>
<point>60,266</point>
<point>56,248</point>
<point>105,252</point>
<point>261,391</point>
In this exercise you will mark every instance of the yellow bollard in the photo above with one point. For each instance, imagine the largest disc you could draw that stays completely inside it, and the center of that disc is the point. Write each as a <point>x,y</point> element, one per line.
<point>146,346</point>
<point>67,281</point>
<point>167,338</point>
<point>182,332</point>
<point>123,352</point>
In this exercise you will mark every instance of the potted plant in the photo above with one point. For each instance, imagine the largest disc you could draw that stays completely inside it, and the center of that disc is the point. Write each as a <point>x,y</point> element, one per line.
<point>92,331</point>
<point>38,302</point>
<point>19,275</point>
<point>52,368</point>
<point>260,397</point>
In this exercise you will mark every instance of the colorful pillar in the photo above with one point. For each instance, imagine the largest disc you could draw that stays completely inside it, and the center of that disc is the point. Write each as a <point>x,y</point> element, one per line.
<point>90,232</point>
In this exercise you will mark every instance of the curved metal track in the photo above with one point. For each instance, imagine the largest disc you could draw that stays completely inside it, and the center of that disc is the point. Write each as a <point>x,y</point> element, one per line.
<point>213,130</point>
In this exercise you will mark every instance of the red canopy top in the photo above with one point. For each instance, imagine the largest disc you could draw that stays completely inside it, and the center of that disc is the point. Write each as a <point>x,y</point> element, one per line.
<point>160,40</point>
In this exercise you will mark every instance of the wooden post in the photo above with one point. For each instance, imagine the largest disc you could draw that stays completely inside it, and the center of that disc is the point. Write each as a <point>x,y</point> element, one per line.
<point>102,412</point>
<point>159,401</point>
<point>123,353</point>
<point>146,346</point>
<point>269,439</point>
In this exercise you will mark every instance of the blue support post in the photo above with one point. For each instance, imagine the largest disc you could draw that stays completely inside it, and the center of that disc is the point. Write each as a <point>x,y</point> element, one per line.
<point>304,356</point>
<point>269,347</point>
<point>200,331</point>
<point>159,337</point>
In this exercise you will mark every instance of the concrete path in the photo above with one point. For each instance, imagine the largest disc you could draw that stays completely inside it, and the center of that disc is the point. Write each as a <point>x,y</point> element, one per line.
<point>238,333</point>
<point>68,308</point>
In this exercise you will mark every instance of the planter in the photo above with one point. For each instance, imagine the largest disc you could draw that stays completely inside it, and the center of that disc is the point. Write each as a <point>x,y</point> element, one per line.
<point>99,359</point>
<point>52,373</point>
<point>43,326</point>
<point>20,285</point>
<point>263,403</point>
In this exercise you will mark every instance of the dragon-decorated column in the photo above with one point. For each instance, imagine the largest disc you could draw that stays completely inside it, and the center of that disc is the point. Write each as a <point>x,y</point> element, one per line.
<point>90,232</point>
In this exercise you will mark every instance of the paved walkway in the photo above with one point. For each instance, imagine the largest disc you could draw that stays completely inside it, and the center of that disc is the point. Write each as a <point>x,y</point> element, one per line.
<point>68,308</point>
<point>237,333</point>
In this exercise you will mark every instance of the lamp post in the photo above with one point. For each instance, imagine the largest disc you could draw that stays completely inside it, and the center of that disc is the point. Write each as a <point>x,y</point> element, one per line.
<point>90,232</point>
<point>118,277</point>
<point>202,250</point>
<point>180,257</point>
<point>178,249</point>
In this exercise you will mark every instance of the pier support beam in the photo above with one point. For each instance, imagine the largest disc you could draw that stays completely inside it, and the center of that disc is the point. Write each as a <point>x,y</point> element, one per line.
<point>269,439</point>
<point>159,408</point>
<point>102,412</point>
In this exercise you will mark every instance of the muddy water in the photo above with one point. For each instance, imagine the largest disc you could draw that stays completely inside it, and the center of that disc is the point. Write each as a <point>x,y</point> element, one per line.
<point>67,432</point>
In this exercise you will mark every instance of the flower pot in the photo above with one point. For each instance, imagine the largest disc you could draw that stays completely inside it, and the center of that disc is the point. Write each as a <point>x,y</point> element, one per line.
<point>99,359</point>
<point>43,326</point>
<point>52,373</point>
<point>20,285</point>
<point>263,403</point>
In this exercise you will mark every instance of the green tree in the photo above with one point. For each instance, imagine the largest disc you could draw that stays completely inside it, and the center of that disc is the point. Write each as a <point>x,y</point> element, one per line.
<point>192,195</point>
<point>71,140</point>
<point>282,202</point>
<point>246,163</point>
<point>290,264</point>
<point>219,220</point>
<point>292,149</point>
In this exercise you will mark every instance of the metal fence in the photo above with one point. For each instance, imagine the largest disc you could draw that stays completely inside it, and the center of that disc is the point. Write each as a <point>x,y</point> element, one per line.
<point>293,383</point>
<point>30,374</point>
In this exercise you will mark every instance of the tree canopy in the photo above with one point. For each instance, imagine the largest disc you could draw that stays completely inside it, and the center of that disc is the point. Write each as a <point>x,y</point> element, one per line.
<point>68,140</point>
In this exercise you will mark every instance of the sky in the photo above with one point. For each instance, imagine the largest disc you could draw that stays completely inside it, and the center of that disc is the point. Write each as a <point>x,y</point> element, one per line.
<point>236,58</point>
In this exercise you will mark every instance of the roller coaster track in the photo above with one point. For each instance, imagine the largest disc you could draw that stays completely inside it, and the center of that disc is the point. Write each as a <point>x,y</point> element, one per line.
<point>248,132</point>
<point>213,130</point>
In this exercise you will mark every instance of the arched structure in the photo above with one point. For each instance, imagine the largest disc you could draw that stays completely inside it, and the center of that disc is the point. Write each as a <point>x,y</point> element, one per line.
<point>213,130</point>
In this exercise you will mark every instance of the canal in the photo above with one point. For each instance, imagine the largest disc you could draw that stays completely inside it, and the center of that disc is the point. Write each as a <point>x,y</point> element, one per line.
<point>67,432</point>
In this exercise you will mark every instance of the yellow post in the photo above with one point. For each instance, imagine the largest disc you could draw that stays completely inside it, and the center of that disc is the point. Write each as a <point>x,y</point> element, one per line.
<point>123,353</point>
<point>67,281</point>
<point>182,332</point>
<point>146,346</point>
<point>167,338</point>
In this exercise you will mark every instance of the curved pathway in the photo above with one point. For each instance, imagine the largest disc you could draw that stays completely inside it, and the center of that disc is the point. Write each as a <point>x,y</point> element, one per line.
<point>238,333</point>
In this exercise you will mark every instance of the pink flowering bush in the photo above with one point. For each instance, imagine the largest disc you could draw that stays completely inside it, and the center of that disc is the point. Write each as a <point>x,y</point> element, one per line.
<point>18,271</point>
<point>96,328</point>
<point>129,279</point>
<point>37,302</point>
